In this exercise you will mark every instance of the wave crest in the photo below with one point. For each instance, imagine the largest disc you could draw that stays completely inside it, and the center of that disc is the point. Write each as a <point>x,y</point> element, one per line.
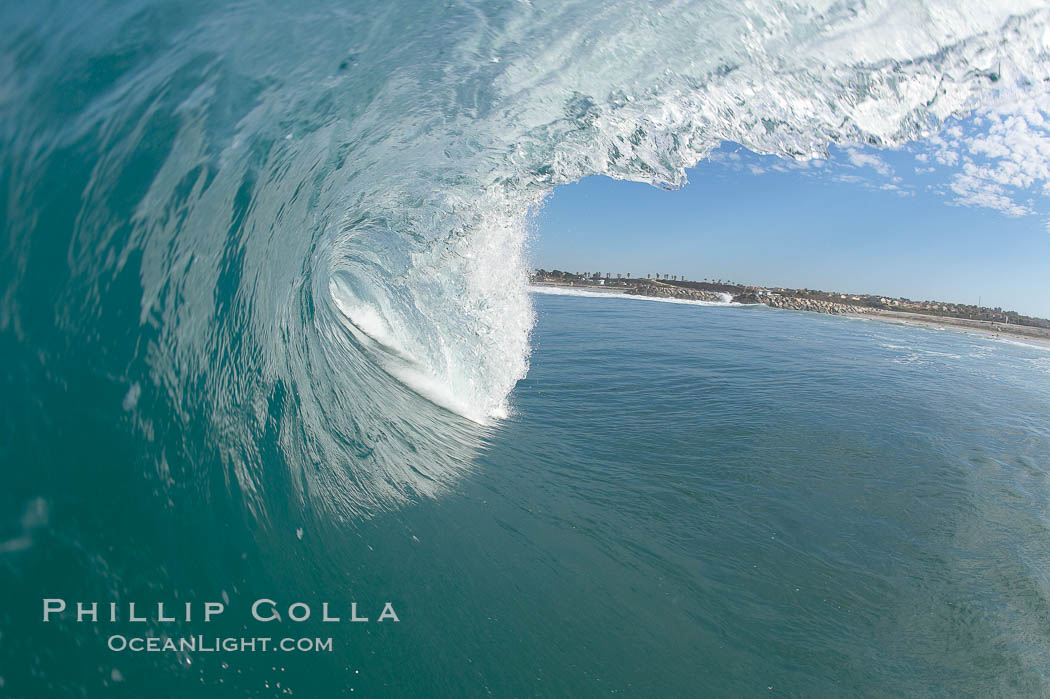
<point>329,205</point>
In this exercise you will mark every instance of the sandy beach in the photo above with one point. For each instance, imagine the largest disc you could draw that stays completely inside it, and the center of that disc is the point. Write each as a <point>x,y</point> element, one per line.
<point>980,327</point>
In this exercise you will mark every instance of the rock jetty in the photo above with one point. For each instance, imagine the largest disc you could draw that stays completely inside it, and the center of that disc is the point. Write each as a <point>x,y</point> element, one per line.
<point>669,291</point>
<point>798,303</point>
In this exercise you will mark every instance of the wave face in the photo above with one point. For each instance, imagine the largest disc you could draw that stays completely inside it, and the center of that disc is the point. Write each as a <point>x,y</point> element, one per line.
<point>301,227</point>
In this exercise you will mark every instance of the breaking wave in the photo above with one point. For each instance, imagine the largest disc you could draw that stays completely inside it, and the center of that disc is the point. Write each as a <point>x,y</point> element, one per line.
<point>727,299</point>
<point>305,224</point>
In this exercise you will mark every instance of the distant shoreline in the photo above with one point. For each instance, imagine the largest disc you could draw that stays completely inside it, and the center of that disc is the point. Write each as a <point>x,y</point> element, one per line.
<point>583,287</point>
<point>980,327</point>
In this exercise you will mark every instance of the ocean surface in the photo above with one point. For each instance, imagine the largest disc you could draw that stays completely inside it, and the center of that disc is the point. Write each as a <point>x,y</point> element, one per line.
<point>684,500</point>
<point>265,333</point>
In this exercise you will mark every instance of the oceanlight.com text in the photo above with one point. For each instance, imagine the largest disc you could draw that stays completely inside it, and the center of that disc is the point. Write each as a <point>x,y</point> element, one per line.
<point>215,644</point>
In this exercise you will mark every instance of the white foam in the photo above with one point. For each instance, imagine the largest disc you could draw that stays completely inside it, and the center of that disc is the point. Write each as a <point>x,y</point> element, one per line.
<point>1017,343</point>
<point>561,291</point>
<point>373,331</point>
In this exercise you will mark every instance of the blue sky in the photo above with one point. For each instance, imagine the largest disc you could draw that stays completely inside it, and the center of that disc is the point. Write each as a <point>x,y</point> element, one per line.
<point>959,217</point>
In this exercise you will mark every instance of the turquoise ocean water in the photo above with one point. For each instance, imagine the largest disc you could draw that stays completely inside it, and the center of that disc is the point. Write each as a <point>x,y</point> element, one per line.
<point>265,334</point>
<point>685,500</point>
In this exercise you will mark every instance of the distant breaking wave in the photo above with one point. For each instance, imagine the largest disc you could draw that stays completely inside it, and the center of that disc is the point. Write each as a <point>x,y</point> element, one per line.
<point>303,224</point>
<point>561,291</point>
